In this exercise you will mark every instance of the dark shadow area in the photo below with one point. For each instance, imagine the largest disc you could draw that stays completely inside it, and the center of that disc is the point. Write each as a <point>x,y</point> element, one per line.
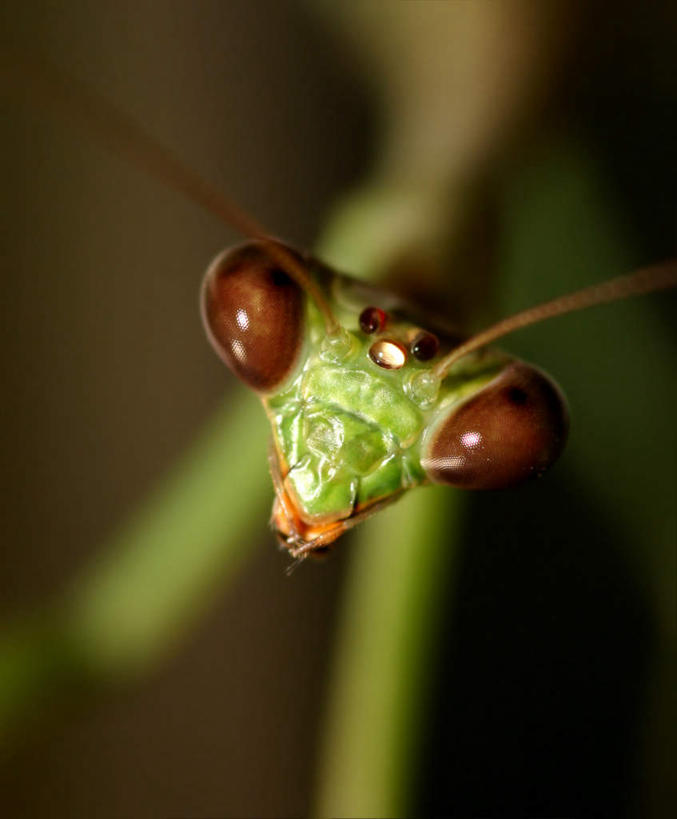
<point>623,89</point>
<point>539,694</point>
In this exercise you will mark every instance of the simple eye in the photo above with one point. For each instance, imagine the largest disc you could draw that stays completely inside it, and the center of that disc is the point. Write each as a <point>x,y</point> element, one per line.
<point>513,429</point>
<point>425,346</point>
<point>388,354</point>
<point>372,320</point>
<point>253,315</point>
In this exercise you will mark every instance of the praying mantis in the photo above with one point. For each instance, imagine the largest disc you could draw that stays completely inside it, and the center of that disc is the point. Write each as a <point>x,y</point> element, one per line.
<point>578,421</point>
<point>365,402</point>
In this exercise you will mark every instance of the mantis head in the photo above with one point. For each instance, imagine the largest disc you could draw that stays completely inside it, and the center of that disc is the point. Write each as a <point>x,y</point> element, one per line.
<point>359,407</point>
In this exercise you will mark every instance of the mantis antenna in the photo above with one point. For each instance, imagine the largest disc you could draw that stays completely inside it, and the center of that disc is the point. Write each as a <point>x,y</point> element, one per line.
<point>660,276</point>
<point>123,136</point>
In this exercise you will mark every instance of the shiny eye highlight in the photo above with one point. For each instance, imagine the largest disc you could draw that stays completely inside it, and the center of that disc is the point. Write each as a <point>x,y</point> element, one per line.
<point>513,429</point>
<point>425,346</point>
<point>388,354</point>
<point>372,320</point>
<point>253,314</point>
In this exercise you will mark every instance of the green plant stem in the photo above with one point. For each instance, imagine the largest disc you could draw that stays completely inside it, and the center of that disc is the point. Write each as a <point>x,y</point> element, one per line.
<point>384,657</point>
<point>155,576</point>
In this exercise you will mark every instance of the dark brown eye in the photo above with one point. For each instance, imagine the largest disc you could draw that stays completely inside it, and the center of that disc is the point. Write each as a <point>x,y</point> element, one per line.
<point>425,346</point>
<point>372,320</point>
<point>253,315</point>
<point>511,430</point>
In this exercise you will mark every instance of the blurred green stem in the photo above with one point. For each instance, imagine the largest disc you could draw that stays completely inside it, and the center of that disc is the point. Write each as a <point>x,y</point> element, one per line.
<point>385,656</point>
<point>157,574</point>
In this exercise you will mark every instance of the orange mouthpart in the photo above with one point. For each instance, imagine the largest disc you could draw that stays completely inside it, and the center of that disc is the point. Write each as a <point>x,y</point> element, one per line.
<point>297,535</point>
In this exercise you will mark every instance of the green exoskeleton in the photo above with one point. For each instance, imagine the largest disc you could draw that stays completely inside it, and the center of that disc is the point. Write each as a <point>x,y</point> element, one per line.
<point>365,402</point>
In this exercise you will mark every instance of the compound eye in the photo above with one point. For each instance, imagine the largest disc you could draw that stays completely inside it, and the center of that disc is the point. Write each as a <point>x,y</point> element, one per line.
<point>513,429</point>
<point>425,346</point>
<point>253,315</point>
<point>372,320</point>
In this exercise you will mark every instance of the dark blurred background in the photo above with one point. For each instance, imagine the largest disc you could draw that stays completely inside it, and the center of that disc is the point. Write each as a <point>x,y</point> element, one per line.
<point>545,666</point>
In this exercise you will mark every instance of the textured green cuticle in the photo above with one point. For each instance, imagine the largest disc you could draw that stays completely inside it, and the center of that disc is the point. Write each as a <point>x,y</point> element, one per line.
<point>348,433</point>
<point>366,394</point>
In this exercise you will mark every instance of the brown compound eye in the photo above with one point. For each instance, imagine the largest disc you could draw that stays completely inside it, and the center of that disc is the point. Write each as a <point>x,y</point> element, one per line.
<point>425,346</point>
<point>513,429</point>
<point>253,315</point>
<point>372,320</point>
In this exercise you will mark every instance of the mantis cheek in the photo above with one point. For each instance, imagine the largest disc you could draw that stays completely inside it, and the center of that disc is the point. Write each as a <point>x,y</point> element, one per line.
<point>513,429</point>
<point>253,314</point>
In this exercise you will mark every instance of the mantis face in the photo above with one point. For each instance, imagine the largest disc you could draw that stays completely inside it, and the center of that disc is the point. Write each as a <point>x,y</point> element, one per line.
<point>360,414</point>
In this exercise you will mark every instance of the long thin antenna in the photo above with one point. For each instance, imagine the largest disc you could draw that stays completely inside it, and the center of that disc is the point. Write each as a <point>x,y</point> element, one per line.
<point>124,137</point>
<point>646,280</point>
